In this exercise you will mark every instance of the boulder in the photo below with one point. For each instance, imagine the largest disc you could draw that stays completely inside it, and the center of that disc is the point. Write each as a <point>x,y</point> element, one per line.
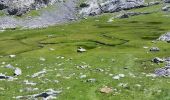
<point>49,94</point>
<point>166,8</point>
<point>154,49</point>
<point>157,60</point>
<point>165,37</point>
<point>96,7</point>
<point>17,71</point>
<point>80,49</point>
<point>128,14</point>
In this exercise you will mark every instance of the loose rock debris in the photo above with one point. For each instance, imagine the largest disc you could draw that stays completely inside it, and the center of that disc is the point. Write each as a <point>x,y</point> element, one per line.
<point>117,77</point>
<point>29,83</point>
<point>4,77</point>
<point>157,60</point>
<point>92,80</point>
<point>47,95</point>
<point>154,49</point>
<point>28,89</point>
<point>39,73</point>
<point>83,76</point>
<point>17,71</point>
<point>42,59</point>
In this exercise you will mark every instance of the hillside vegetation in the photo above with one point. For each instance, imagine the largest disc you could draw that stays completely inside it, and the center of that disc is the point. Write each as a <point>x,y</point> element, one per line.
<point>113,48</point>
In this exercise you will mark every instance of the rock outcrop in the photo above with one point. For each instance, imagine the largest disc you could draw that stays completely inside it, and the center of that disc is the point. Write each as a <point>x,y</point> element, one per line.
<point>19,7</point>
<point>95,7</point>
<point>61,12</point>
<point>165,37</point>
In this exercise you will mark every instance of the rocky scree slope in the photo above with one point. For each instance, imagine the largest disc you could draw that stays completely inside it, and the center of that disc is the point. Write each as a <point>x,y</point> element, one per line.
<point>95,7</point>
<point>63,11</point>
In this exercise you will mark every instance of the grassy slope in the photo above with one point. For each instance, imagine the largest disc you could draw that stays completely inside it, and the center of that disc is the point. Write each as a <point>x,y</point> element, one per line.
<point>139,31</point>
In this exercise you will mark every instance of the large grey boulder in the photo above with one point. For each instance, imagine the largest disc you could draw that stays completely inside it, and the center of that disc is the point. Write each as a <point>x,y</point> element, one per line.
<point>96,7</point>
<point>165,37</point>
<point>163,71</point>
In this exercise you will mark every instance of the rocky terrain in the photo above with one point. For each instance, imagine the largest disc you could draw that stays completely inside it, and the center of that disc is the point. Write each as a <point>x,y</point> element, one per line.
<point>85,50</point>
<point>19,7</point>
<point>96,7</point>
<point>62,11</point>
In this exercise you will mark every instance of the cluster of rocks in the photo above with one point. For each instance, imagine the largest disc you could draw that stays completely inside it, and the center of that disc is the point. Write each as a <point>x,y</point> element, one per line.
<point>165,71</point>
<point>49,94</point>
<point>95,7</point>
<point>19,7</point>
<point>16,72</point>
<point>166,6</point>
<point>154,49</point>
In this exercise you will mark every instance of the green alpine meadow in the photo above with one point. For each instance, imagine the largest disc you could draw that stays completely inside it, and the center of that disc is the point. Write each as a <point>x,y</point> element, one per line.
<point>84,50</point>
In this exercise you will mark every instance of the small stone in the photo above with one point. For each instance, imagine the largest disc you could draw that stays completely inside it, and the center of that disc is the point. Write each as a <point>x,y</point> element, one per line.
<point>154,49</point>
<point>124,85</point>
<point>9,66</point>
<point>3,63</point>
<point>116,77</point>
<point>145,47</point>
<point>42,59</point>
<point>138,85</point>
<point>83,66</point>
<point>151,75</point>
<point>17,71</point>
<point>39,73</point>
<point>92,80</point>
<point>106,90</point>
<point>12,56</point>
<point>51,49</point>
<point>29,83</point>
<point>99,69</point>
<point>83,76</point>
<point>80,49</point>
<point>121,75</point>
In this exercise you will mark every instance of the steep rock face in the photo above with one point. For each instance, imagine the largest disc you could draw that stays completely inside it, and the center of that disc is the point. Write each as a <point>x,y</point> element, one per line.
<point>101,6</point>
<point>19,7</point>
